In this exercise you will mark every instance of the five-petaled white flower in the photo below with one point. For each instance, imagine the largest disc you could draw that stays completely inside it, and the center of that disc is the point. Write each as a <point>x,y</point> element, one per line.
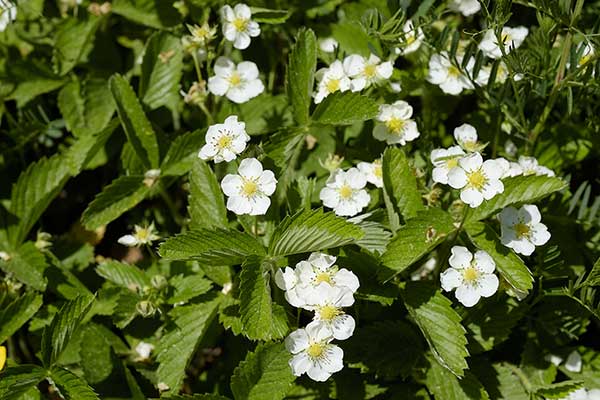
<point>331,80</point>
<point>366,71</point>
<point>466,137</point>
<point>142,235</point>
<point>522,229</point>
<point>446,75</point>
<point>444,160</point>
<point>313,352</point>
<point>528,166</point>
<point>465,7</point>
<point>238,26</point>
<point>372,171</point>
<point>512,38</point>
<point>327,302</point>
<point>478,180</point>
<point>472,277</point>
<point>344,192</point>
<point>395,125</point>
<point>412,39</point>
<point>225,141</point>
<point>8,13</point>
<point>239,83</point>
<point>249,191</point>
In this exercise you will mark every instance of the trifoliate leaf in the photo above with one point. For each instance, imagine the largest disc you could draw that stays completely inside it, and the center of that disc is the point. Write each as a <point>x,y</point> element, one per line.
<point>345,109</point>
<point>206,204</point>
<point>15,314</point>
<point>125,275</point>
<point>300,74</point>
<point>28,265</point>
<point>16,381</point>
<point>312,230</point>
<point>439,323</point>
<point>70,386</point>
<point>264,374</point>
<point>216,247</point>
<point>400,182</point>
<point>446,386</point>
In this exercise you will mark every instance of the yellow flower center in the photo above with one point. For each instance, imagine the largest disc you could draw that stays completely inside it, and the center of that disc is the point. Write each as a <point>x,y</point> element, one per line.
<point>395,125</point>
<point>370,70</point>
<point>249,188</point>
<point>240,24</point>
<point>506,37</point>
<point>378,171</point>
<point>453,71</point>
<point>235,79</point>
<point>2,348</point>
<point>333,85</point>
<point>346,192</point>
<point>224,142</point>
<point>315,350</point>
<point>470,274</point>
<point>522,230</point>
<point>585,59</point>
<point>477,180</point>
<point>323,277</point>
<point>451,163</point>
<point>470,146</point>
<point>410,39</point>
<point>327,313</point>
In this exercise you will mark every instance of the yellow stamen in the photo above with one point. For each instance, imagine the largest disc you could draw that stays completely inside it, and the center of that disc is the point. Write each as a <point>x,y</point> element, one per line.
<point>240,24</point>
<point>451,163</point>
<point>506,37</point>
<point>323,277</point>
<point>2,357</point>
<point>346,192</point>
<point>315,350</point>
<point>333,85</point>
<point>249,188</point>
<point>224,142</point>
<point>477,180</point>
<point>235,79</point>
<point>522,230</point>
<point>470,275</point>
<point>470,145</point>
<point>453,71</point>
<point>378,171</point>
<point>410,39</point>
<point>370,70</point>
<point>327,313</point>
<point>395,125</point>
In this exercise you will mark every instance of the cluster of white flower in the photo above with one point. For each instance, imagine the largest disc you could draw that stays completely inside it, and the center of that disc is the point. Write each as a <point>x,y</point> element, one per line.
<point>320,286</point>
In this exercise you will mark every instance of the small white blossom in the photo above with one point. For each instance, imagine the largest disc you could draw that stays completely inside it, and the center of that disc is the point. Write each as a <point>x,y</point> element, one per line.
<point>248,192</point>
<point>444,160</point>
<point>331,80</point>
<point>478,180</point>
<point>366,72</point>
<point>328,45</point>
<point>510,148</point>
<point>327,302</point>
<point>466,137</point>
<point>395,87</point>
<point>373,172</point>
<point>412,39</point>
<point>528,166</point>
<point>224,142</point>
<point>239,83</point>
<point>313,352</point>
<point>8,13</point>
<point>142,235</point>
<point>143,350</point>
<point>554,359</point>
<point>344,192</point>
<point>465,7</point>
<point>512,38</point>
<point>574,362</point>
<point>446,75</point>
<point>472,277</point>
<point>395,125</point>
<point>522,229</point>
<point>238,26</point>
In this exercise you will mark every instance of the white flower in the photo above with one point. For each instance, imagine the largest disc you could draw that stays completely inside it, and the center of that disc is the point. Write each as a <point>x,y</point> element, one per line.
<point>574,362</point>
<point>366,72</point>
<point>225,141</point>
<point>249,191</point>
<point>331,80</point>
<point>472,277</point>
<point>504,166</point>
<point>8,13</point>
<point>373,172</point>
<point>238,83</point>
<point>143,350</point>
<point>554,359</point>
<point>142,235</point>
<point>528,166</point>
<point>344,192</point>
<point>238,26</point>
<point>466,137</point>
<point>395,87</point>
<point>313,352</point>
<point>412,39</point>
<point>396,126</point>
<point>465,7</point>
<point>447,76</point>
<point>444,160</point>
<point>587,53</point>
<point>512,38</point>
<point>478,180</point>
<point>522,229</point>
<point>327,302</point>
<point>328,45</point>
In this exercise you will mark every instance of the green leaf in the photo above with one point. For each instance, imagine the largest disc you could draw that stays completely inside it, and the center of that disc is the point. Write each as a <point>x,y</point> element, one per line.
<point>501,380</point>
<point>96,353</point>
<point>188,287</point>
<point>593,278</point>
<point>268,16</point>
<point>345,109</point>
<point>135,124</point>
<point>400,182</point>
<point>161,71</point>
<point>86,106</point>
<point>258,317</point>
<point>312,230</point>
<point>182,154</point>
<point>28,265</point>
<point>16,381</point>
<point>70,386</point>
<point>216,247</point>
<point>32,78</point>
<point>74,39</point>
<point>196,397</point>
<point>151,13</point>
<point>17,313</point>
<point>376,237</point>
<point>301,74</point>
<point>417,238</point>
<point>206,204</point>
<point>353,38</point>
<point>125,275</point>
<point>56,336</point>
<point>176,348</point>
<point>559,390</point>
<point>519,189</point>
<point>510,266</point>
<point>439,323</point>
<point>121,195</point>
<point>264,374</point>
<point>446,386</point>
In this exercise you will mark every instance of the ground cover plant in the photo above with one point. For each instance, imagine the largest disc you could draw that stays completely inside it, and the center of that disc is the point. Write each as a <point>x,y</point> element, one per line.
<point>317,199</point>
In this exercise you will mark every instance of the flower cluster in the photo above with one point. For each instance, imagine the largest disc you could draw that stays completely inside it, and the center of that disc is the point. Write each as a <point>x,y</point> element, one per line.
<point>319,286</point>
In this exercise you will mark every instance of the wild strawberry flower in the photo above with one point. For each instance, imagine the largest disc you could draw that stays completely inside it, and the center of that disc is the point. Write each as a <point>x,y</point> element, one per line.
<point>142,235</point>
<point>327,302</point>
<point>344,192</point>
<point>528,166</point>
<point>465,7</point>
<point>224,142</point>
<point>587,53</point>
<point>512,38</point>
<point>472,277</point>
<point>412,39</point>
<point>522,229</point>
<point>366,71</point>
<point>239,83</point>
<point>201,35</point>
<point>574,363</point>
<point>395,125</point>
<point>248,191</point>
<point>446,75</point>
<point>331,80</point>
<point>143,351</point>
<point>466,137</point>
<point>8,13</point>
<point>478,180</point>
<point>238,26</point>
<point>314,354</point>
<point>328,45</point>
<point>444,160</point>
<point>373,172</point>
